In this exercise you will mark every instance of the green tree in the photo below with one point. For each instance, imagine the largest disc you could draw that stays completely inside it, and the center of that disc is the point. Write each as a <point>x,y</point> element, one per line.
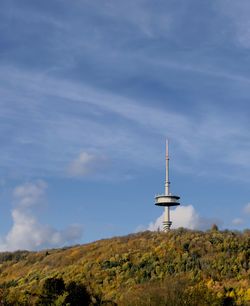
<point>77,295</point>
<point>52,288</point>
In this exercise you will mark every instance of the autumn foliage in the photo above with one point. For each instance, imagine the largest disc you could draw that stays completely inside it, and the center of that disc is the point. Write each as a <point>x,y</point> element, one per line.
<point>181,267</point>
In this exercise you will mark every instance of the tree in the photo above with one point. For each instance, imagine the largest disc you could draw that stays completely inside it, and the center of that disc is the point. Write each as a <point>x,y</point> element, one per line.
<point>77,295</point>
<point>214,228</point>
<point>52,288</point>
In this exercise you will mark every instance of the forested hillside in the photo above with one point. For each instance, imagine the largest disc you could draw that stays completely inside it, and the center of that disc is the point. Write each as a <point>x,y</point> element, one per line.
<point>180,267</point>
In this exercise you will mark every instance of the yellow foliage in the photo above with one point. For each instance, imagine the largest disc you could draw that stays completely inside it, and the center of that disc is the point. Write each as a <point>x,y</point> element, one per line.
<point>247,295</point>
<point>214,260</point>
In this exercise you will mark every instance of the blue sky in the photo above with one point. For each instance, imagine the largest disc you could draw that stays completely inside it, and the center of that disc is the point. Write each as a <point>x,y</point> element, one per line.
<point>89,92</point>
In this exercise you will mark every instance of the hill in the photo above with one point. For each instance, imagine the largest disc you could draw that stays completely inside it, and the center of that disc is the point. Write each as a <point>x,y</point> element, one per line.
<point>181,267</point>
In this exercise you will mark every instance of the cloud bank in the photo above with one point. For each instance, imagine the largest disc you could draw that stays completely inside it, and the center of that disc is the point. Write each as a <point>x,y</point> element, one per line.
<point>184,216</point>
<point>27,232</point>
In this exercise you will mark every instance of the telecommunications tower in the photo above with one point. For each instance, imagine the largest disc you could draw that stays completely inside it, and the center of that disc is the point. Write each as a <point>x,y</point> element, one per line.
<point>167,200</point>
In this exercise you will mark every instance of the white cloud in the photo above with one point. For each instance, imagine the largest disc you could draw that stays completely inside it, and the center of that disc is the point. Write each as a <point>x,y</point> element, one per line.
<point>238,221</point>
<point>29,194</point>
<point>247,208</point>
<point>184,216</point>
<point>82,165</point>
<point>26,232</point>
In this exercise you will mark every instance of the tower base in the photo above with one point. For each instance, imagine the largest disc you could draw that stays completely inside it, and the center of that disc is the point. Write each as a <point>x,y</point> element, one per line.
<point>166,225</point>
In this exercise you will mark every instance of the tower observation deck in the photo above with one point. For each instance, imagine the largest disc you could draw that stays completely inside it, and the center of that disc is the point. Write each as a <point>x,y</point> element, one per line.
<point>167,200</point>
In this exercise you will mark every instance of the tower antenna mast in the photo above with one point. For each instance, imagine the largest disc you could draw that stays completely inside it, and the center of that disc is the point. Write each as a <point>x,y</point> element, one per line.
<point>167,183</point>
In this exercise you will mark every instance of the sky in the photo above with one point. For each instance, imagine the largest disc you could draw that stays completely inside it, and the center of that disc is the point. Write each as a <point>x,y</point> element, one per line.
<point>90,90</point>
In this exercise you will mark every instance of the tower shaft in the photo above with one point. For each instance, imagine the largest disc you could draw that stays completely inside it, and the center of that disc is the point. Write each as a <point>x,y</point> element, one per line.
<point>166,219</point>
<point>166,222</point>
